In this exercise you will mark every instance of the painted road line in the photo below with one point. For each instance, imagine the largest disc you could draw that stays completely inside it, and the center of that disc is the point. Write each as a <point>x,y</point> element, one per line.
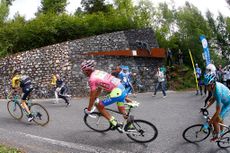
<point>69,145</point>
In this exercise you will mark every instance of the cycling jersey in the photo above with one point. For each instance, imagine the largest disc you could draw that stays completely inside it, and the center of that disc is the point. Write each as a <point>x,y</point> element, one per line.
<point>25,82</point>
<point>103,80</point>
<point>54,79</point>
<point>222,96</point>
<point>16,81</point>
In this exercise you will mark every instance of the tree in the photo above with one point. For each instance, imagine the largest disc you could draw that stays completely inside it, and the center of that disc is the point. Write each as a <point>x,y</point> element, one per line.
<point>228,1</point>
<point>52,6</point>
<point>4,11</point>
<point>93,6</point>
<point>9,2</point>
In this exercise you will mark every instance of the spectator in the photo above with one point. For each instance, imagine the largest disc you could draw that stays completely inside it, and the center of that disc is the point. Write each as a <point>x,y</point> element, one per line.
<point>125,76</point>
<point>220,73</point>
<point>169,57</point>
<point>116,71</point>
<point>160,82</point>
<point>198,76</point>
<point>180,57</point>
<point>228,77</point>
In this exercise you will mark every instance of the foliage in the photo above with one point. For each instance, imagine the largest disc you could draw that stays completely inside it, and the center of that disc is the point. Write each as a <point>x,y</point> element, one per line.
<point>5,149</point>
<point>52,6</point>
<point>175,28</point>
<point>93,6</point>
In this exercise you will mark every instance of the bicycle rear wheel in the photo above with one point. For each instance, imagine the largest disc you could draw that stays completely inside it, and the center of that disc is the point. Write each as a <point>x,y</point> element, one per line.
<point>97,122</point>
<point>195,133</point>
<point>141,131</point>
<point>224,141</point>
<point>40,114</point>
<point>14,109</point>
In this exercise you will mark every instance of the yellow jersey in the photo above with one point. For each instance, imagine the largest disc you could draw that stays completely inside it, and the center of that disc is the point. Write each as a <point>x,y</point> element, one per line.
<point>54,79</point>
<point>16,81</point>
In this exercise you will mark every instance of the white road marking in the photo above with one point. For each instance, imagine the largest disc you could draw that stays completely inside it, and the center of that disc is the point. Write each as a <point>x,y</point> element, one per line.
<point>70,145</point>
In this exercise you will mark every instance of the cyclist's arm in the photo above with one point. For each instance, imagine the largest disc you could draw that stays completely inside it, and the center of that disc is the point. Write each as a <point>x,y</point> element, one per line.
<point>218,109</point>
<point>211,101</point>
<point>93,95</point>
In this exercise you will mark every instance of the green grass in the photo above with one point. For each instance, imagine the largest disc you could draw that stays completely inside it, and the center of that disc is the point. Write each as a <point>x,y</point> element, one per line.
<point>5,149</point>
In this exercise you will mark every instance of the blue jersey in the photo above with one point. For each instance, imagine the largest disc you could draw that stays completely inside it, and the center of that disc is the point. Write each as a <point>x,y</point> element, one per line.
<point>222,94</point>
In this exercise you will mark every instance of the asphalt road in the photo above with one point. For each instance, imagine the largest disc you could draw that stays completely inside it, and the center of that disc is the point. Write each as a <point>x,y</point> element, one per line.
<point>66,131</point>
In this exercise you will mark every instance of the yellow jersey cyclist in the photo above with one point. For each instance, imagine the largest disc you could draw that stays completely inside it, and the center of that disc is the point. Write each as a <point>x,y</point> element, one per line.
<point>98,81</point>
<point>23,83</point>
<point>220,94</point>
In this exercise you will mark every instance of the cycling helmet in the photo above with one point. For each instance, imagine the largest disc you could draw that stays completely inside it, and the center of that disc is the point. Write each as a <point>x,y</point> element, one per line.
<point>209,79</point>
<point>88,65</point>
<point>210,69</point>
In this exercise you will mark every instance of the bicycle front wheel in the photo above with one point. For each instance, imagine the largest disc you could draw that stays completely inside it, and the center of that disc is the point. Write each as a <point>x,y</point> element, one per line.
<point>97,122</point>
<point>141,131</point>
<point>224,141</point>
<point>14,109</point>
<point>40,114</point>
<point>195,133</point>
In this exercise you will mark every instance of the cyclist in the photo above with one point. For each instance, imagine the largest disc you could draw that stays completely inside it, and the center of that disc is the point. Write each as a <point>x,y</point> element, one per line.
<point>221,94</point>
<point>23,83</point>
<point>98,81</point>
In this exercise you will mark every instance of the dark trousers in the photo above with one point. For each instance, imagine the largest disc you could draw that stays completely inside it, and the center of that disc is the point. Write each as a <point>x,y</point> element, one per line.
<point>162,84</point>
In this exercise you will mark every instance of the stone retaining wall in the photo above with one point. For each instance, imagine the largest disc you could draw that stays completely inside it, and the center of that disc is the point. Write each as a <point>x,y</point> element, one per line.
<point>65,59</point>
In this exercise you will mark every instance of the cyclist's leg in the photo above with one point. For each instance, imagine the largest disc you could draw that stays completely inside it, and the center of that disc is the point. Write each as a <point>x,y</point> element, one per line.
<point>26,93</point>
<point>114,97</point>
<point>225,111</point>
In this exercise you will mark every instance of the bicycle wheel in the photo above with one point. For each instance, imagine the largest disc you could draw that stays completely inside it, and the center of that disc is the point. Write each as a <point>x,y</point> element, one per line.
<point>141,131</point>
<point>14,109</point>
<point>40,114</point>
<point>224,141</point>
<point>97,122</point>
<point>195,133</point>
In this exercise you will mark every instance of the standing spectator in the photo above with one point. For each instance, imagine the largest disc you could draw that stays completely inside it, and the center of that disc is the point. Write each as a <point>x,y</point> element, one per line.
<point>116,71</point>
<point>219,73</point>
<point>160,82</point>
<point>169,57</point>
<point>198,76</point>
<point>180,57</point>
<point>228,77</point>
<point>125,76</point>
<point>210,69</point>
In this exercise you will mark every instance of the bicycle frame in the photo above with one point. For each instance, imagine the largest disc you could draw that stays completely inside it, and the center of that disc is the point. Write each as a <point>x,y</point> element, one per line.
<point>207,117</point>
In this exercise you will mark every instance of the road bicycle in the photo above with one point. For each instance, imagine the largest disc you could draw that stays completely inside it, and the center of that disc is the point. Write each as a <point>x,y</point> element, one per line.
<point>40,114</point>
<point>140,131</point>
<point>197,133</point>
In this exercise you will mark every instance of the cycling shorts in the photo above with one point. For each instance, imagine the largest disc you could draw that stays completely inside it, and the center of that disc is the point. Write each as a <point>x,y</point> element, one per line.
<point>118,95</point>
<point>26,93</point>
<point>225,111</point>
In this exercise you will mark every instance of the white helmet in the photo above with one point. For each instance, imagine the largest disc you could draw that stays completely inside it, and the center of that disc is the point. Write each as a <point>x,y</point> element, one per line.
<point>88,65</point>
<point>210,69</point>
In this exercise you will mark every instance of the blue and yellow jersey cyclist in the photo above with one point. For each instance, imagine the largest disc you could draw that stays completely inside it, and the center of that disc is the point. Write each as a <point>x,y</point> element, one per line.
<point>221,94</point>
<point>23,83</point>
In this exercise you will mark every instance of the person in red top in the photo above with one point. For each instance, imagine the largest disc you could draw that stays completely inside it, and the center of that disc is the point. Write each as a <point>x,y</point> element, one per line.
<point>98,81</point>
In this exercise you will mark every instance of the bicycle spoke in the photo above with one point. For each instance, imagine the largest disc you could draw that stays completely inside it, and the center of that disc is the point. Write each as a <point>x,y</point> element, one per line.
<point>195,133</point>
<point>141,131</point>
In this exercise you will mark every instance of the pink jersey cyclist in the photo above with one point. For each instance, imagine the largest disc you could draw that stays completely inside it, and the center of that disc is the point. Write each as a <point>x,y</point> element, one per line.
<point>103,80</point>
<point>98,81</point>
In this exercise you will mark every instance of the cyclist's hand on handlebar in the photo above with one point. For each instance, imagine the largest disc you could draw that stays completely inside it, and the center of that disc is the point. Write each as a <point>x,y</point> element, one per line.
<point>204,111</point>
<point>86,111</point>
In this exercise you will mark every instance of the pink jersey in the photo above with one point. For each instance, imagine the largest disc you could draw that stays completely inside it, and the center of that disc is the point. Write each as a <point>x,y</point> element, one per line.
<point>103,80</point>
